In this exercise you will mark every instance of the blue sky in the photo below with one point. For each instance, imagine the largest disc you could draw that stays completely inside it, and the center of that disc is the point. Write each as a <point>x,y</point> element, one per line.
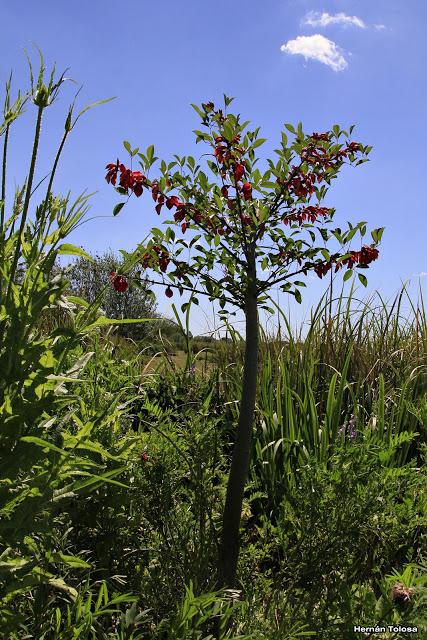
<point>336,61</point>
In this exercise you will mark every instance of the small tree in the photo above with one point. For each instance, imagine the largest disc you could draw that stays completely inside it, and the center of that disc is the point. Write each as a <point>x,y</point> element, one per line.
<point>88,277</point>
<point>262,228</point>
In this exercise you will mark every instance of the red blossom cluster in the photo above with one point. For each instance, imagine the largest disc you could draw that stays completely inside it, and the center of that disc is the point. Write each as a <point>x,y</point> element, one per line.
<point>171,202</point>
<point>320,160</point>
<point>325,137</point>
<point>119,283</point>
<point>133,180</point>
<point>247,190</point>
<point>228,155</point>
<point>303,184</point>
<point>246,220</point>
<point>223,151</point>
<point>318,157</point>
<point>363,257</point>
<point>162,258</point>
<point>310,213</point>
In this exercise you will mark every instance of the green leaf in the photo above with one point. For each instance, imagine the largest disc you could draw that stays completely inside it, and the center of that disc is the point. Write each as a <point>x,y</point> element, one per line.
<point>79,301</point>
<point>348,275</point>
<point>363,279</point>
<point>127,146</point>
<point>95,480</point>
<point>118,208</point>
<point>228,132</point>
<point>377,234</point>
<point>71,561</point>
<point>103,322</point>
<point>150,153</point>
<point>325,253</point>
<point>290,128</point>
<point>71,250</point>
<point>42,443</point>
<point>258,142</point>
<point>199,111</point>
<point>93,104</point>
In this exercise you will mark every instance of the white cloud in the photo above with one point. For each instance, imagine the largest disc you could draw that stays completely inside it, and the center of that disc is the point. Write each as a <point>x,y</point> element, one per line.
<point>317,19</point>
<point>380,27</point>
<point>319,48</point>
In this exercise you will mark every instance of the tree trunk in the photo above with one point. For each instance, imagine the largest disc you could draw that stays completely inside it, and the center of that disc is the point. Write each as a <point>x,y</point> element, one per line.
<point>230,542</point>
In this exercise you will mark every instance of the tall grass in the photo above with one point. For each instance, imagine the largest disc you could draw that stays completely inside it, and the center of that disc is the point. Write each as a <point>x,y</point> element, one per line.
<point>358,372</point>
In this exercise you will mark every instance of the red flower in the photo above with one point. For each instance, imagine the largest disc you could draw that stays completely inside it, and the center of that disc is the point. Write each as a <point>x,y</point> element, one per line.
<point>132,180</point>
<point>311,213</point>
<point>224,191</point>
<point>164,261</point>
<point>155,191</point>
<point>173,201</point>
<point>245,219</point>
<point>221,153</point>
<point>352,260</point>
<point>113,170</point>
<point>179,215</point>
<point>119,282</point>
<point>354,146</point>
<point>184,227</point>
<point>247,191</point>
<point>365,256</point>
<point>320,136</point>
<point>303,184</point>
<point>137,189</point>
<point>368,254</point>
<point>238,171</point>
<point>159,205</point>
<point>144,456</point>
<point>145,260</point>
<point>322,268</point>
<point>169,292</point>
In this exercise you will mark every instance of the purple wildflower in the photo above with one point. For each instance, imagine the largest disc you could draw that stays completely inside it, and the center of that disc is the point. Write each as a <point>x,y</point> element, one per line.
<point>348,429</point>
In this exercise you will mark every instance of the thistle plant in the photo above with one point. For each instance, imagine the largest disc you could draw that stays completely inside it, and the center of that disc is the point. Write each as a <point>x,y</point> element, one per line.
<point>254,230</point>
<point>45,447</point>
